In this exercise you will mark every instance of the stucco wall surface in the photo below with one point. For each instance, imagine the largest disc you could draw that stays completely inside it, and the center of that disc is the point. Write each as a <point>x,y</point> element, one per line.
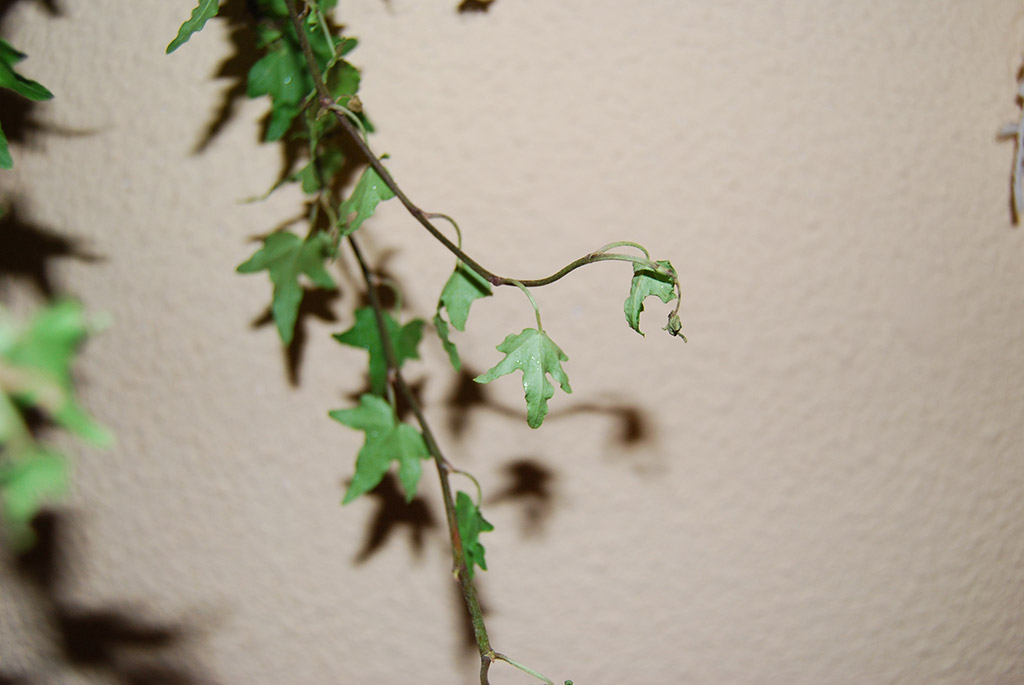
<point>826,485</point>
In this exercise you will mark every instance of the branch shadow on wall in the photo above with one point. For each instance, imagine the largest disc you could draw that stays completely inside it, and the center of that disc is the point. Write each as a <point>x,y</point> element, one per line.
<point>119,643</point>
<point>631,427</point>
<point>234,69</point>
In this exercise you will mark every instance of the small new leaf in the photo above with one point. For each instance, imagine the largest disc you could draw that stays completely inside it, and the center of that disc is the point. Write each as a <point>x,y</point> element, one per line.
<point>204,11</point>
<point>471,524</point>
<point>387,440</point>
<point>365,334</point>
<point>536,355</point>
<point>285,256</point>
<point>369,192</point>
<point>464,286</point>
<point>674,326</point>
<point>646,282</point>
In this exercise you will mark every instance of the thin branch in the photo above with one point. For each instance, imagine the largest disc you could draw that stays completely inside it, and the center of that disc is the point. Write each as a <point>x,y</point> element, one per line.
<point>461,571</point>
<point>397,382</point>
<point>327,102</point>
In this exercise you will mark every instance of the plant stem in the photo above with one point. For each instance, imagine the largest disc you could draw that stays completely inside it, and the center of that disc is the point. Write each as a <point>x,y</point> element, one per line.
<point>396,381</point>
<point>461,572</point>
<point>327,102</point>
<point>533,303</point>
<point>524,668</point>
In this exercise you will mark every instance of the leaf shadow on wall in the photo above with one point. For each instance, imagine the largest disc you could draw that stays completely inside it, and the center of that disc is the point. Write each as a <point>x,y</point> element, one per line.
<point>468,6</point>
<point>316,302</point>
<point>531,485</point>
<point>17,122</point>
<point>52,7</point>
<point>234,69</point>
<point>118,642</point>
<point>241,17</point>
<point>392,514</point>
<point>529,478</point>
<point>27,251</point>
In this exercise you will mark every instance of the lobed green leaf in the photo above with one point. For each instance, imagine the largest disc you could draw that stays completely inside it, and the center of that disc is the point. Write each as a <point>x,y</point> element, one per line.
<point>537,356</point>
<point>286,256</point>
<point>365,335</point>
<point>360,205</point>
<point>387,441</point>
<point>43,353</point>
<point>25,487</point>
<point>282,75</point>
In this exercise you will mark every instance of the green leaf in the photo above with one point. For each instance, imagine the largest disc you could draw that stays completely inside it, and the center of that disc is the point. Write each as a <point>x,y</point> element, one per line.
<point>536,355</point>
<point>464,286</point>
<point>282,75</point>
<point>471,524</point>
<point>204,11</point>
<point>25,486</point>
<point>387,440</point>
<point>285,256</point>
<point>647,281</point>
<point>12,80</point>
<point>674,326</point>
<point>369,192</point>
<point>365,334</point>
<point>442,332</point>
<point>343,81</point>
<point>319,172</point>
<point>6,161</point>
<point>44,353</point>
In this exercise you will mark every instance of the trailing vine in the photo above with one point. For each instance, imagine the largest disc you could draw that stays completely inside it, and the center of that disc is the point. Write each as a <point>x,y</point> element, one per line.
<point>314,99</point>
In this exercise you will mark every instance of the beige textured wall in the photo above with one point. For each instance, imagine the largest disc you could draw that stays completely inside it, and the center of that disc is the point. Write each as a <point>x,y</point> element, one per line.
<point>828,485</point>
